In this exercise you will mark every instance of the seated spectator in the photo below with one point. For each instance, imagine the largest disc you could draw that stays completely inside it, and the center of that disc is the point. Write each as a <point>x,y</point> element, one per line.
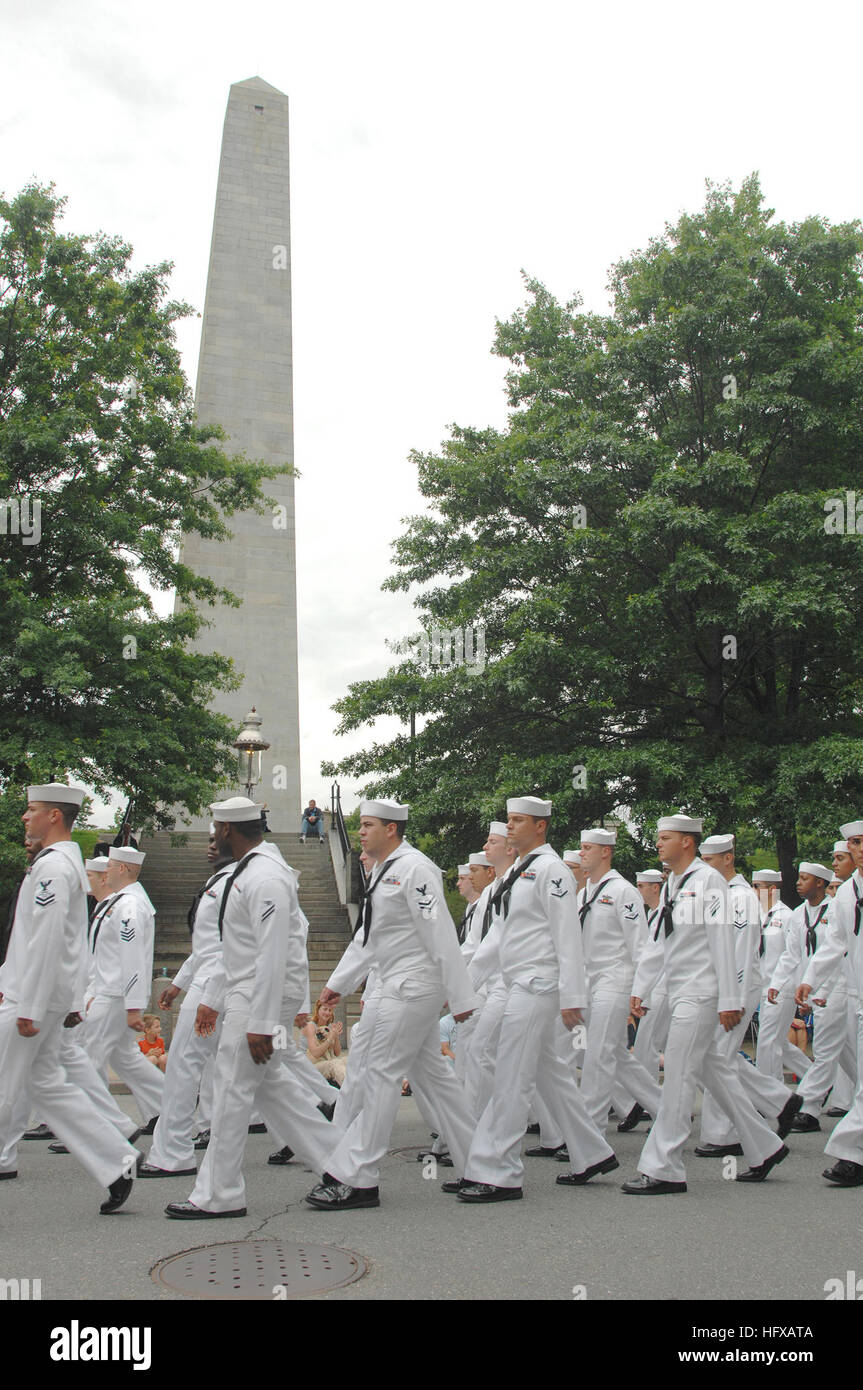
<point>153,1044</point>
<point>313,822</point>
<point>323,1043</point>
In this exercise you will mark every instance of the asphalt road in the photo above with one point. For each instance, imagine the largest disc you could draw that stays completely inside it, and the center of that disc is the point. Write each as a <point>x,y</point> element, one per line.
<point>783,1239</point>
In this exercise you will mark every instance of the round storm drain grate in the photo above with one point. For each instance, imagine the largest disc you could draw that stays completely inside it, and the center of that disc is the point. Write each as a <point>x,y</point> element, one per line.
<point>410,1153</point>
<point>266,1269</point>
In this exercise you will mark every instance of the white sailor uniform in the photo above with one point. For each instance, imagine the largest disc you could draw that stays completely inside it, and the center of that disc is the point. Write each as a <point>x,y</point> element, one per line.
<point>774,1052</point>
<point>839,950</point>
<point>264,977</point>
<point>613,923</point>
<point>653,1027</point>
<point>121,940</point>
<point>173,1145</point>
<point>698,957</point>
<point>414,947</point>
<point>768,1095</point>
<point>537,946</point>
<point>41,980</point>
<point>834,1028</point>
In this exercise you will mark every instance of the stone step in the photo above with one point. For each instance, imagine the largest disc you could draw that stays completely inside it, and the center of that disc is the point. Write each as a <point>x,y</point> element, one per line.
<point>172,875</point>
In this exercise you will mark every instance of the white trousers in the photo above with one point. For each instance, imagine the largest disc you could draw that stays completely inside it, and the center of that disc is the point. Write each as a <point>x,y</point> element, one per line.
<point>80,1070</point>
<point>297,1059</point>
<point>607,1060</point>
<point>768,1095</point>
<point>352,1093</point>
<point>693,1056</point>
<point>846,1141</point>
<point>652,1033</point>
<point>31,1066</point>
<point>287,1107</point>
<point>405,1042</point>
<point>205,1091</point>
<point>482,1051</point>
<point>110,1042</point>
<point>834,1045</point>
<point>464,1033</point>
<point>528,1050</point>
<point>173,1145</point>
<point>773,1051</point>
<point>349,1099</point>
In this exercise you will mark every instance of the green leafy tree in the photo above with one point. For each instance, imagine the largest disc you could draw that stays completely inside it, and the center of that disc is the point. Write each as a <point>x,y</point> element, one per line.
<point>99,445</point>
<point>669,618</point>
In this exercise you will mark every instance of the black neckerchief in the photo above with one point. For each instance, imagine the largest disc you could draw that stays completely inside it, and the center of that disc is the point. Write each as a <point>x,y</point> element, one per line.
<point>365,918</point>
<point>196,901</point>
<point>811,943</point>
<point>461,929</point>
<point>502,896</point>
<point>101,910</point>
<point>666,907</point>
<point>858,908</point>
<point>237,871</point>
<point>761,944</point>
<point>587,905</point>
<point>487,916</point>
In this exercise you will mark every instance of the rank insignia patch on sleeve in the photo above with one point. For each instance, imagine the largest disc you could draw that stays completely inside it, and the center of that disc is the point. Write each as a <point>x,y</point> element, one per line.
<point>45,896</point>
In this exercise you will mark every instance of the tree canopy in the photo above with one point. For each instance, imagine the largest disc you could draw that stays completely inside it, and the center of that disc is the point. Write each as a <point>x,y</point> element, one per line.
<point>669,616</point>
<point>103,469</point>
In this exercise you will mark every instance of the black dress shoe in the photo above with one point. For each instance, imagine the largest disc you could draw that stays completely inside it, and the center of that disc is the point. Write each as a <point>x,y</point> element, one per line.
<point>8,1174</point>
<point>149,1170</point>
<point>281,1156</point>
<point>442,1160</point>
<point>39,1132</point>
<point>644,1186</point>
<point>150,1126</point>
<point>327,1110</point>
<point>836,1112</point>
<point>257,1129</point>
<point>787,1115</point>
<point>455,1186</point>
<point>487,1192</point>
<point>844,1173</point>
<point>635,1116</point>
<point>546,1151</point>
<point>133,1137</point>
<point>805,1124</point>
<point>532,1129</point>
<point>57,1148</point>
<point>118,1191</point>
<point>338,1196</point>
<point>607,1165</point>
<point>202,1139</point>
<point>719,1151</point>
<point>759,1173</point>
<point>185,1211</point>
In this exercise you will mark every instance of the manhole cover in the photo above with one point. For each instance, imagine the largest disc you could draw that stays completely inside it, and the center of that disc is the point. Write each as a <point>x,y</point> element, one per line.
<point>410,1152</point>
<point>269,1269</point>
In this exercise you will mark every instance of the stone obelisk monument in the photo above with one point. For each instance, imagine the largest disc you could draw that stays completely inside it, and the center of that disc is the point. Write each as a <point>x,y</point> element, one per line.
<point>245,385</point>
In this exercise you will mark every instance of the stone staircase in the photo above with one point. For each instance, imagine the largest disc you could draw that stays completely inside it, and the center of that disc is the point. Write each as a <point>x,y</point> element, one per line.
<point>172,877</point>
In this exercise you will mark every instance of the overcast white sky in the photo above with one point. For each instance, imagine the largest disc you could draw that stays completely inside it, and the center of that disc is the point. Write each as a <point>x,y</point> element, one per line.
<point>436,152</point>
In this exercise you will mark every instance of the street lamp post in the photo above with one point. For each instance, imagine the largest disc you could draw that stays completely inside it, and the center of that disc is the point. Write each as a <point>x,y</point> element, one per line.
<point>250,746</point>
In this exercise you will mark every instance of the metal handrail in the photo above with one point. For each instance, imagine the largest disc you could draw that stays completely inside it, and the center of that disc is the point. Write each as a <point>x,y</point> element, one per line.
<point>339,821</point>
